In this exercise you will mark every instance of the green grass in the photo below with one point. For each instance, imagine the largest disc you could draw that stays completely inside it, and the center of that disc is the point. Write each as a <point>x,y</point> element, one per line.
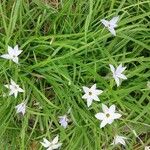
<point>64,48</point>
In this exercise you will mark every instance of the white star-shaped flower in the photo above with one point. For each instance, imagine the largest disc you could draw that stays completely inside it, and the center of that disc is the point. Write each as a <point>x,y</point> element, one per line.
<point>63,120</point>
<point>14,88</point>
<point>117,73</point>
<point>147,147</point>
<point>21,108</point>
<point>91,94</point>
<point>111,25</point>
<point>51,145</point>
<point>108,115</point>
<point>119,140</point>
<point>13,54</point>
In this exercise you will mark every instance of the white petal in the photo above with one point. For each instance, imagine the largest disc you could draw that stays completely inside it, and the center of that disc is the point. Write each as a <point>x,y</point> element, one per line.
<point>85,96</point>
<point>117,80</point>
<point>122,141</point>
<point>85,89</point>
<point>112,68</point>
<point>16,48</point>
<point>20,90</point>
<point>112,31</point>
<point>13,82</point>
<point>55,140</point>
<point>105,22</point>
<point>103,123</point>
<point>56,146</point>
<point>147,147</point>
<point>120,69</point>
<point>10,51</point>
<point>105,108</point>
<point>16,94</point>
<point>116,115</point>
<point>7,86</point>
<point>18,52</point>
<point>122,76</point>
<point>98,92</point>
<point>23,109</point>
<point>89,102</point>
<point>6,56</point>
<point>45,143</point>
<point>114,21</point>
<point>93,88</point>
<point>112,109</point>
<point>11,93</point>
<point>15,59</point>
<point>50,148</point>
<point>110,120</point>
<point>95,97</point>
<point>100,116</point>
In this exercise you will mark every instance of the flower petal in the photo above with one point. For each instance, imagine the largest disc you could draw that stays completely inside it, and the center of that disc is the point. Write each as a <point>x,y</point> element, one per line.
<point>55,140</point>
<point>112,68</point>
<point>100,116</point>
<point>89,102</point>
<point>114,21</point>
<point>103,123</point>
<point>117,80</point>
<point>56,146</point>
<point>11,93</point>
<point>20,90</point>
<point>112,109</point>
<point>85,89</point>
<point>105,108</point>
<point>116,115</point>
<point>105,22</point>
<point>98,92</point>
<point>16,94</point>
<point>45,143</point>
<point>85,96</point>
<point>95,97</point>
<point>50,148</point>
<point>93,88</point>
<point>13,82</point>
<point>122,76</point>
<point>15,59</point>
<point>6,56</point>
<point>16,48</point>
<point>7,86</point>
<point>112,31</point>
<point>122,141</point>
<point>110,120</point>
<point>120,69</point>
<point>10,51</point>
<point>18,52</point>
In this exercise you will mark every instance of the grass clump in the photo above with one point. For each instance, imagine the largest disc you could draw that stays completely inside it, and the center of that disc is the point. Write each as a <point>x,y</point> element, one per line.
<point>65,47</point>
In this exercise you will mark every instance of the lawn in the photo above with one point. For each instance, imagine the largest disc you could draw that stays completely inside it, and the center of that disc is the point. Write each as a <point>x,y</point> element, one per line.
<point>66,49</point>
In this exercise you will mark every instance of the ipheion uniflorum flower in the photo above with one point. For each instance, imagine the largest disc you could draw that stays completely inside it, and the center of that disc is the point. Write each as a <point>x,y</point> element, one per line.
<point>111,25</point>
<point>108,115</point>
<point>14,88</point>
<point>118,73</point>
<point>91,94</point>
<point>12,54</point>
